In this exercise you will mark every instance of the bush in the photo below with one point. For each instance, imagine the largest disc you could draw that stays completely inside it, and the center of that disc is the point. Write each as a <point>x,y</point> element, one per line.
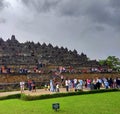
<point>15,96</point>
<point>56,95</point>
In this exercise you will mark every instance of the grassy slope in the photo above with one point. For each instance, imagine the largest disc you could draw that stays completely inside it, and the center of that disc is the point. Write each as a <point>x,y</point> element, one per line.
<point>105,103</point>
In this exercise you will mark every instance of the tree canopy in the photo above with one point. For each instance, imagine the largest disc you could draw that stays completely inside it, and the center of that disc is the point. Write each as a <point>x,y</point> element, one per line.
<point>111,61</point>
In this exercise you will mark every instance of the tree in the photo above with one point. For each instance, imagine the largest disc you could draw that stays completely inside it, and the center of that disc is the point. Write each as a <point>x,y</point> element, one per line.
<point>112,61</point>
<point>102,62</point>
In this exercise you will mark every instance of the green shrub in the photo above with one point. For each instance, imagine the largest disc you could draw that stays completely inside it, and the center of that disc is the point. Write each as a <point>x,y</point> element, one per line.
<point>56,95</point>
<point>14,96</point>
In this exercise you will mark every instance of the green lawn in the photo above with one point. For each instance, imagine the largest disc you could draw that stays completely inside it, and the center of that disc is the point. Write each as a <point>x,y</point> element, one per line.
<point>102,103</point>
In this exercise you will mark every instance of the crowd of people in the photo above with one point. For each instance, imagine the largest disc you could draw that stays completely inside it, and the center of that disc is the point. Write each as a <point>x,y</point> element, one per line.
<point>61,69</point>
<point>30,84</point>
<point>91,84</point>
<point>80,84</point>
<point>74,84</point>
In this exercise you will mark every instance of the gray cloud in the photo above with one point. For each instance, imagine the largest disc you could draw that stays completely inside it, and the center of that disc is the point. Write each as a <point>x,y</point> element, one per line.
<point>105,13</point>
<point>115,4</point>
<point>2,20</point>
<point>1,4</point>
<point>99,11</point>
<point>41,5</point>
<point>71,8</point>
<point>94,10</point>
<point>115,13</point>
<point>90,26</point>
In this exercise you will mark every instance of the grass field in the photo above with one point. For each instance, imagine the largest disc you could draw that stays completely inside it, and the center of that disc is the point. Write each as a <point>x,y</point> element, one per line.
<point>102,103</point>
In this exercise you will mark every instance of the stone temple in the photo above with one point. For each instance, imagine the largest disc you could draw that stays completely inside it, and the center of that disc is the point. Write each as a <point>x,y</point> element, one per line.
<point>42,62</point>
<point>29,54</point>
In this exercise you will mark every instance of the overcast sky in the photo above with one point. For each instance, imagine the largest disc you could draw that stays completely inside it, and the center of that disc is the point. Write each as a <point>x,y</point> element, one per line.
<point>89,26</point>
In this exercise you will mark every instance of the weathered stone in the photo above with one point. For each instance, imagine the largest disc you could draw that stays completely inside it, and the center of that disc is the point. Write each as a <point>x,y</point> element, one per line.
<point>12,52</point>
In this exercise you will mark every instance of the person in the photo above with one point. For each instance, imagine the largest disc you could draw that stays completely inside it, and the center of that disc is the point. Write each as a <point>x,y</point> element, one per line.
<point>45,87</point>
<point>106,84</point>
<point>29,85</point>
<point>81,84</point>
<point>67,85</point>
<point>22,84</point>
<point>48,87</point>
<point>98,83</point>
<point>51,85</point>
<point>62,78</point>
<point>89,84</point>
<point>75,82</point>
<point>33,86</point>
<point>57,88</point>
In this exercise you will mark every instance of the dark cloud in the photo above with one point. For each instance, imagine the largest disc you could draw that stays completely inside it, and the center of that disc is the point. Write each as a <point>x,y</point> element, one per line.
<point>98,11</point>
<point>95,10</point>
<point>1,4</point>
<point>2,20</point>
<point>115,4</point>
<point>107,14</point>
<point>71,8</point>
<point>41,5</point>
<point>115,13</point>
<point>90,26</point>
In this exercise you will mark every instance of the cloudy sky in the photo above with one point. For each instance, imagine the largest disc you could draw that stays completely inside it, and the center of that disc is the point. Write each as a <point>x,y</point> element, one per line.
<point>89,26</point>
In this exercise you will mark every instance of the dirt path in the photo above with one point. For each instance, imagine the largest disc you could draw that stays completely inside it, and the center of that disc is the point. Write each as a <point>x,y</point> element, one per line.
<point>38,92</point>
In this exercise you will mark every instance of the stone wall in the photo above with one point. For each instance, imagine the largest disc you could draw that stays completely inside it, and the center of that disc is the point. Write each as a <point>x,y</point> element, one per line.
<point>12,78</point>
